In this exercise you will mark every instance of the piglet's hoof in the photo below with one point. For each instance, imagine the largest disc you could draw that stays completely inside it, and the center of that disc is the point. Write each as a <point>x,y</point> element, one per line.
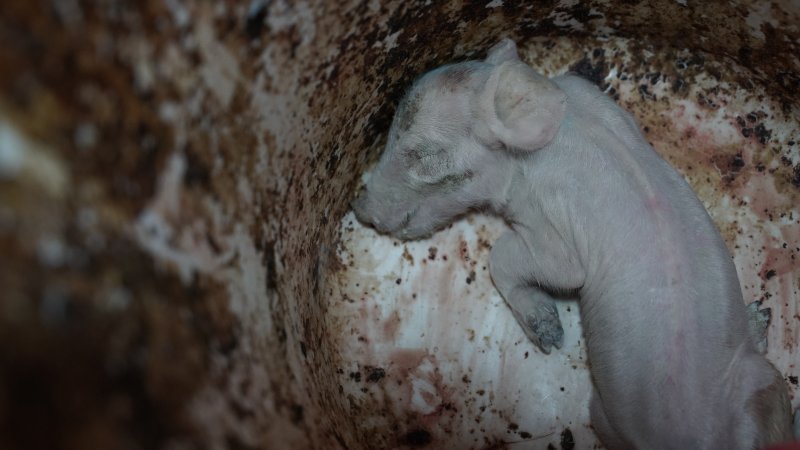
<point>759,321</point>
<point>545,330</point>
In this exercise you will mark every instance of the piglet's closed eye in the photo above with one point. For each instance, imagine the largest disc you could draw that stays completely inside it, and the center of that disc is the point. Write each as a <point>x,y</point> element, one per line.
<point>519,108</point>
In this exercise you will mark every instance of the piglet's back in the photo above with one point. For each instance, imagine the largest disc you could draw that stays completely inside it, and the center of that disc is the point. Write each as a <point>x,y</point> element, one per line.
<point>662,304</point>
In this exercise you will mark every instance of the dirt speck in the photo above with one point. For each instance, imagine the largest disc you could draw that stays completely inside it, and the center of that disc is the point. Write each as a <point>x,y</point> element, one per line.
<point>593,71</point>
<point>374,374</point>
<point>567,441</point>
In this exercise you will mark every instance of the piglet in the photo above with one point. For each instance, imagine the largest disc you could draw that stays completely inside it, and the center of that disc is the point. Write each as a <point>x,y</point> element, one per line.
<point>594,212</point>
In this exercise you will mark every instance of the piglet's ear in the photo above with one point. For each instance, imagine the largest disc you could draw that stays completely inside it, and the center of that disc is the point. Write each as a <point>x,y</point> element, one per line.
<point>519,108</point>
<point>505,50</point>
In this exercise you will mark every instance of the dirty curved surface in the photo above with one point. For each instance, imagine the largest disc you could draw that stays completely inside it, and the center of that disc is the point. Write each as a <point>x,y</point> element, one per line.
<point>178,267</point>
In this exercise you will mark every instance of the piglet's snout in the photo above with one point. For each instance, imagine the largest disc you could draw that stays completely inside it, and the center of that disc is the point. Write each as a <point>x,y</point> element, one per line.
<point>365,211</point>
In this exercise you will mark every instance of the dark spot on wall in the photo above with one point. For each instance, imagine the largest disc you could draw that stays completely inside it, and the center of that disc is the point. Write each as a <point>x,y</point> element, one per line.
<point>375,374</point>
<point>795,179</point>
<point>297,414</point>
<point>706,101</point>
<point>269,263</point>
<point>332,163</point>
<point>416,438</point>
<point>746,55</point>
<point>235,443</point>
<point>788,80</point>
<point>793,379</point>
<point>770,273</point>
<point>567,440</point>
<point>226,344</point>
<point>762,133</point>
<point>471,277</point>
<point>254,21</point>
<point>196,173</point>
<point>678,85</point>
<point>595,72</point>
<point>644,91</point>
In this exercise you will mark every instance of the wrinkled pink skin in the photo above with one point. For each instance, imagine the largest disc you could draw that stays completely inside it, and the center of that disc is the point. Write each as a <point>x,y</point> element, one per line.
<point>594,211</point>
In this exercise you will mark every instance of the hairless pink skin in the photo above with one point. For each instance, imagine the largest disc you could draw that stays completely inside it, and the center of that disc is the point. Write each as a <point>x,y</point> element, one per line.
<point>596,212</point>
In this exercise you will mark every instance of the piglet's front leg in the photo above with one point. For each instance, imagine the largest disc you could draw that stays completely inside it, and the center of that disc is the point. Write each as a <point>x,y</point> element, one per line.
<point>535,310</point>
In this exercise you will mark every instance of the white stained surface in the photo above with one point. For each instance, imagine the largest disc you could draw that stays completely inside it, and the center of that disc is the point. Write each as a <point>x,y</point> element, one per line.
<point>427,333</point>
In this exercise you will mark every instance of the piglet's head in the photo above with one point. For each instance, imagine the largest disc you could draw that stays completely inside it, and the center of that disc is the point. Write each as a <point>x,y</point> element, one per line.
<point>454,139</point>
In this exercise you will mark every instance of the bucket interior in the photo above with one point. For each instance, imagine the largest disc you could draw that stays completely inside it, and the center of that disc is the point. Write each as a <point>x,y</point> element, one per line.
<point>180,266</point>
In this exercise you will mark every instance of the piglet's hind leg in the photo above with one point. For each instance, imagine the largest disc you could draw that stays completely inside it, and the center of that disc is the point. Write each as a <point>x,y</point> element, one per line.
<point>534,309</point>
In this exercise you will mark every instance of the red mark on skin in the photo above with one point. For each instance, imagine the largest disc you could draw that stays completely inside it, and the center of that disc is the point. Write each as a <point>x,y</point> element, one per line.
<point>654,203</point>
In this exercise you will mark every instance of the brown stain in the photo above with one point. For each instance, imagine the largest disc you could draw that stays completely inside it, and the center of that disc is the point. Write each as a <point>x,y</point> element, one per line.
<point>404,361</point>
<point>391,326</point>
